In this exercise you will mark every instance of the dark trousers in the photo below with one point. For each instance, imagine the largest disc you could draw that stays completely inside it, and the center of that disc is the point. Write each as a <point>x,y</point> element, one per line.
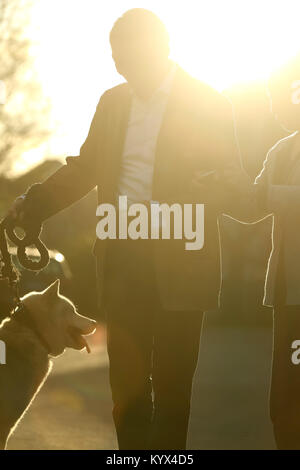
<point>285,385</point>
<point>152,353</point>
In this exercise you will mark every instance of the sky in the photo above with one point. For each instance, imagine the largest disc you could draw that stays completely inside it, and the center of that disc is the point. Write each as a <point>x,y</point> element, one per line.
<point>222,42</point>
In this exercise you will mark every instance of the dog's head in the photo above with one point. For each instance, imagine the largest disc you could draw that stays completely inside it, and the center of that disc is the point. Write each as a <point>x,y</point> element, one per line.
<point>57,320</point>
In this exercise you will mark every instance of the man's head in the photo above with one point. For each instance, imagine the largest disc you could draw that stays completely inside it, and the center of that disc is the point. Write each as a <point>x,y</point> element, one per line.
<point>284,90</point>
<point>140,46</point>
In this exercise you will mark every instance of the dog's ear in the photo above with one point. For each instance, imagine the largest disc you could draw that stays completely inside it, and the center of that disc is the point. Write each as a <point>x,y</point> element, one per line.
<point>53,290</point>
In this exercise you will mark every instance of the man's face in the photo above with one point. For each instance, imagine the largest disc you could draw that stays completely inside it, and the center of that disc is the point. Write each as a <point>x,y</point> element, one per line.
<point>135,60</point>
<point>285,104</point>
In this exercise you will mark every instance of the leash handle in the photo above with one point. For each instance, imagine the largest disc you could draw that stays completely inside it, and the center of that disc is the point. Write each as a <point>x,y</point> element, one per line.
<point>31,238</point>
<point>7,270</point>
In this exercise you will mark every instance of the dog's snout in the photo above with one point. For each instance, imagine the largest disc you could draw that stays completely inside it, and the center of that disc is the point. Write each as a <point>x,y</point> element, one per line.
<point>84,325</point>
<point>89,328</point>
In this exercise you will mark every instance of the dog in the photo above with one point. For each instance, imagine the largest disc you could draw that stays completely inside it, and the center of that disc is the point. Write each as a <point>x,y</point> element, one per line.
<point>29,351</point>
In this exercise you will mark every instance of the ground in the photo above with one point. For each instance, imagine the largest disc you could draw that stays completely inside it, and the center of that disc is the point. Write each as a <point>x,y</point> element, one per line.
<point>229,404</point>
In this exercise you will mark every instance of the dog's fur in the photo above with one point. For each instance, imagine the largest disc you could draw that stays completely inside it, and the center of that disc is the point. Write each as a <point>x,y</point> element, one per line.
<point>27,360</point>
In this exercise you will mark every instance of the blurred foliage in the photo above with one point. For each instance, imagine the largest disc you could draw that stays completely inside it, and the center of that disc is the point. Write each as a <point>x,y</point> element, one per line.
<point>25,110</point>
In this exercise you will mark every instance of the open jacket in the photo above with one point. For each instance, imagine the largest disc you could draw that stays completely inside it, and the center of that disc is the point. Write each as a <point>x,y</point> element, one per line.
<point>197,134</point>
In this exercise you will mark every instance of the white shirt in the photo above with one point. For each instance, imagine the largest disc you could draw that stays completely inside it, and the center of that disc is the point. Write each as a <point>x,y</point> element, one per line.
<point>144,124</point>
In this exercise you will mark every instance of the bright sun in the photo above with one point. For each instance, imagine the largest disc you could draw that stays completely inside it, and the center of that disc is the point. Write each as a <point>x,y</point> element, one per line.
<point>220,42</point>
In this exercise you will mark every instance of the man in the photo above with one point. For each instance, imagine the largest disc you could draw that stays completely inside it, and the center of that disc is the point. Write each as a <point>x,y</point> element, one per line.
<point>278,193</point>
<point>153,138</point>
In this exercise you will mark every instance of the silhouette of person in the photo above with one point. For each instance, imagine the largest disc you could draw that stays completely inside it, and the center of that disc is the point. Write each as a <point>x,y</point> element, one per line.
<point>161,136</point>
<point>277,190</point>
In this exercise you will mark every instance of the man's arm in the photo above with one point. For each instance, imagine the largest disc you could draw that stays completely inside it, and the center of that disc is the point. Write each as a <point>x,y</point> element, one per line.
<point>234,188</point>
<point>72,181</point>
<point>229,190</point>
<point>284,198</point>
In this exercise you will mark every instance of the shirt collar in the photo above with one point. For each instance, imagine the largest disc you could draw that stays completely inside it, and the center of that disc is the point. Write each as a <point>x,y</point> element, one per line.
<point>165,87</point>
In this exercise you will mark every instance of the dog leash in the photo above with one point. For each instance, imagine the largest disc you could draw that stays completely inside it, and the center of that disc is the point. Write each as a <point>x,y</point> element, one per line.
<point>10,273</point>
<point>31,238</point>
<point>8,270</point>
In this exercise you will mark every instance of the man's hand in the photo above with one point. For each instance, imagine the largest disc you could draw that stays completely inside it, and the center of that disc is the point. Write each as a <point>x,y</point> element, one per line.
<point>16,211</point>
<point>235,179</point>
<point>229,178</point>
<point>205,178</point>
<point>205,183</point>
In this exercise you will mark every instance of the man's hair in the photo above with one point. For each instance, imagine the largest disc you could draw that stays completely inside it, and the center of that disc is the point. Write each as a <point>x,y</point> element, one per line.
<point>140,25</point>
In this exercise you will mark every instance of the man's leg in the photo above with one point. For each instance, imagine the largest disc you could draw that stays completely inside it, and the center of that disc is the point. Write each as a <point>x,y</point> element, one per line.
<point>128,300</point>
<point>285,385</point>
<point>129,345</point>
<point>175,356</point>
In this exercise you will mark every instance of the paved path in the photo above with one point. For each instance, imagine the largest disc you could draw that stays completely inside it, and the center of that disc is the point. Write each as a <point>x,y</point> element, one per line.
<point>229,406</point>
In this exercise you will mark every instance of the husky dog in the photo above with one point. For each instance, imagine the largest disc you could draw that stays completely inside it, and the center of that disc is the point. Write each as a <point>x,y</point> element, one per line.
<point>44,326</point>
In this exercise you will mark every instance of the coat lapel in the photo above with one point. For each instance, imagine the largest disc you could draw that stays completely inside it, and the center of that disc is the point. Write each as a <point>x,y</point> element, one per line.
<point>169,140</point>
<point>167,146</point>
<point>117,128</point>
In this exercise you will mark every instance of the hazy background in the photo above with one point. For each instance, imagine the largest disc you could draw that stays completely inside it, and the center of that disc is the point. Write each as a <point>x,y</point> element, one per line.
<point>55,64</point>
<point>221,42</point>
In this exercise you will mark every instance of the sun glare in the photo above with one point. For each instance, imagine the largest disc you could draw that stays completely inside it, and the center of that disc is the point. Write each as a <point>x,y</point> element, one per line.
<point>220,42</point>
